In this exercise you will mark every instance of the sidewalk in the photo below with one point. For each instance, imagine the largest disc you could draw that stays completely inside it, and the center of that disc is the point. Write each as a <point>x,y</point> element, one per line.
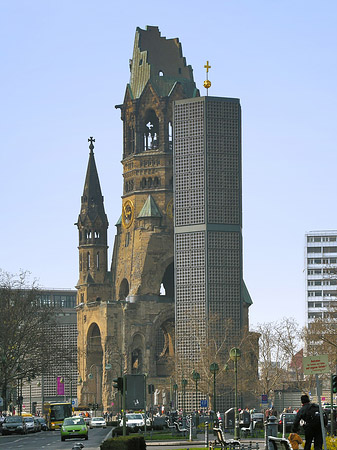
<point>199,441</point>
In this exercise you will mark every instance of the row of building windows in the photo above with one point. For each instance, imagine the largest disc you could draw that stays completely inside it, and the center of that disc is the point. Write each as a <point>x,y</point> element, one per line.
<point>322,282</point>
<point>322,293</point>
<point>318,315</point>
<point>322,261</point>
<point>321,238</point>
<point>60,301</point>
<point>321,304</point>
<point>319,249</point>
<point>328,271</point>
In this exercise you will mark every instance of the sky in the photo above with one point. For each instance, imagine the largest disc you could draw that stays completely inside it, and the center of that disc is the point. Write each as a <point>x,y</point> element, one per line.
<point>65,65</point>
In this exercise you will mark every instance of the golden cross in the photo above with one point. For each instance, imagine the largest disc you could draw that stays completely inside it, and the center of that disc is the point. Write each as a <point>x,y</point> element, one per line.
<point>207,66</point>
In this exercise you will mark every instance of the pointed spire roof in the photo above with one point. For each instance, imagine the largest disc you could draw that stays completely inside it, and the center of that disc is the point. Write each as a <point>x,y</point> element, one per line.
<point>92,202</point>
<point>150,209</point>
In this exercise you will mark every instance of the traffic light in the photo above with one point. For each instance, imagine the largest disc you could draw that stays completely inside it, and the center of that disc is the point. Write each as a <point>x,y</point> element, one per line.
<point>334,383</point>
<point>118,384</point>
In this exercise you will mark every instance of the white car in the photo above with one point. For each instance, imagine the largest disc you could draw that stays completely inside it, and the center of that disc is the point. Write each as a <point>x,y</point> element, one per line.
<point>133,420</point>
<point>97,422</point>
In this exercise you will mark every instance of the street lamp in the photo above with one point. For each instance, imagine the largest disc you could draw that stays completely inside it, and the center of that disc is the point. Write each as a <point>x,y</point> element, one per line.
<point>184,383</point>
<point>214,368</point>
<point>175,389</point>
<point>19,389</point>
<point>196,378</point>
<point>234,355</point>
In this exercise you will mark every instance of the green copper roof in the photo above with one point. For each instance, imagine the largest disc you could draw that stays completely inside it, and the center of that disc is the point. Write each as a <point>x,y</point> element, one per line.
<point>245,295</point>
<point>159,61</point>
<point>150,209</point>
<point>119,221</point>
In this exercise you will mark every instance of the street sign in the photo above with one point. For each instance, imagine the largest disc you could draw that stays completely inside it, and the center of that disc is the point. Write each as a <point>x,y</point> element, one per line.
<point>264,399</point>
<point>315,364</point>
<point>203,403</point>
<point>135,392</point>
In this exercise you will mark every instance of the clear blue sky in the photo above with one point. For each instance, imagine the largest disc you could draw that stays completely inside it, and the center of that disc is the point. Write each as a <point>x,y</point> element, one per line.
<point>65,65</point>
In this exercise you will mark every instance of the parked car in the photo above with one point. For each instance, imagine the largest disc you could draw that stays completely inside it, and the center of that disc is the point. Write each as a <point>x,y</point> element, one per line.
<point>37,425</point>
<point>14,424</point>
<point>133,420</point>
<point>74,427</point>
<point>289,420</point>
<point>257,420</point>
<point>30,425</point>
<point>97,422</point>
<point>43,423</point>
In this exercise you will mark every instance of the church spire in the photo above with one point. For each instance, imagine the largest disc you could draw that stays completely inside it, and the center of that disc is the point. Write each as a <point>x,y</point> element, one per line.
<point>92,201</point>
<point>92,225</point>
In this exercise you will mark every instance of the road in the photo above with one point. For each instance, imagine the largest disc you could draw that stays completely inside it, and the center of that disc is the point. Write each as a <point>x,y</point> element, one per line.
<point>51,440</point>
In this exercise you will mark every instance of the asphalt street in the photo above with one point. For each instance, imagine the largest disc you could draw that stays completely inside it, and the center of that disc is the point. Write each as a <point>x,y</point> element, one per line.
<point>51,440</point>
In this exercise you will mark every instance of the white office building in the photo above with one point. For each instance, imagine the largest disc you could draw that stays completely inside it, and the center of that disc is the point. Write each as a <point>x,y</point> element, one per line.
<point>321,272</point>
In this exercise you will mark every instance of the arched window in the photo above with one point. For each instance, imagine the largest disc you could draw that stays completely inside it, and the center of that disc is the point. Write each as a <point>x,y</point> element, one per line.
<point>151,130</point>
<point>167,284</point>
<point>123,289</point>
<point>170,135</point>
<point>80,263</point>
<point>136,361</point>
<point>97,261</point>
<point>88,260</point>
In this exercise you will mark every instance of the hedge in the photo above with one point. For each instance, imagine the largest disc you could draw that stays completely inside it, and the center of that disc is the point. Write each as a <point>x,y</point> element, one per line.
<point>124,443</point>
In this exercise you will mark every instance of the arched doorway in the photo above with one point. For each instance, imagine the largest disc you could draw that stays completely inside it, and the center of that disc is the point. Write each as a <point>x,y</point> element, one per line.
<point>93,375</point>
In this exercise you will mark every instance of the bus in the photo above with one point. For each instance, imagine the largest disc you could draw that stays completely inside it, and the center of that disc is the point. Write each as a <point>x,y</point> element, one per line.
<point>55,413</point>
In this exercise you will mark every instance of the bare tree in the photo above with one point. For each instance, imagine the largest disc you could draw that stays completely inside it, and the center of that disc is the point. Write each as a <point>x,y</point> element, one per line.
<point>321,337</point>
<point>279,343</point>
<point>26,325</point>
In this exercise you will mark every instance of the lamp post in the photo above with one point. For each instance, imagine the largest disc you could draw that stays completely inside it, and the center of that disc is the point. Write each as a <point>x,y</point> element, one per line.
<point>214,368</point>
<point>196,378</point>
<point>234,355</point>
<point>175,389</point>
<point>184,383</point>
<point>19,390</point>
<point>41,384</point>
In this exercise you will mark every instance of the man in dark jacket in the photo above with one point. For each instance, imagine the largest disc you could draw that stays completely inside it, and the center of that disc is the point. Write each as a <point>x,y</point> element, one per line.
<point>312,429</point>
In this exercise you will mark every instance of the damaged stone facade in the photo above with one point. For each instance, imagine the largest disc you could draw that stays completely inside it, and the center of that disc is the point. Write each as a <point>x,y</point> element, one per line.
<point>126,312</point>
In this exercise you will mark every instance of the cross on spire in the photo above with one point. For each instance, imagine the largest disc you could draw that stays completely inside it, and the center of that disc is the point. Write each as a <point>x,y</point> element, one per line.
<point>91,146</point>
<point>207,66</point>
<point>207,83</point>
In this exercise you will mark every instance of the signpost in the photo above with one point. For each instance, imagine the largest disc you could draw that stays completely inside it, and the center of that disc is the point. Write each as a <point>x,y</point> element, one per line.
<point>314,365</point>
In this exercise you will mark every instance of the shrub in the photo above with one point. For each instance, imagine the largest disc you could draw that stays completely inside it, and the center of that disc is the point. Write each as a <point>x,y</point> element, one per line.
<point>118,431</point>
<point>124,443</point>
<point>331,443</point>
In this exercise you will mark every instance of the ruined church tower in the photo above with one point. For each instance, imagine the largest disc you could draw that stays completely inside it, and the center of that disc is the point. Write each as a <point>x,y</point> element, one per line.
<point>143,255</point>
<point>126,314</point>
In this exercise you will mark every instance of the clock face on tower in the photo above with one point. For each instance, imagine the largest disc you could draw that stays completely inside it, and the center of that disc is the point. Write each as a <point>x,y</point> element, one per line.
<point>127,213</point>
<point>170,209</point>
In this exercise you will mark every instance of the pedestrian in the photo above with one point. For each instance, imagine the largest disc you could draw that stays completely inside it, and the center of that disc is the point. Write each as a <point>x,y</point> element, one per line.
<point>309,413</point>
<point>295,440</point>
